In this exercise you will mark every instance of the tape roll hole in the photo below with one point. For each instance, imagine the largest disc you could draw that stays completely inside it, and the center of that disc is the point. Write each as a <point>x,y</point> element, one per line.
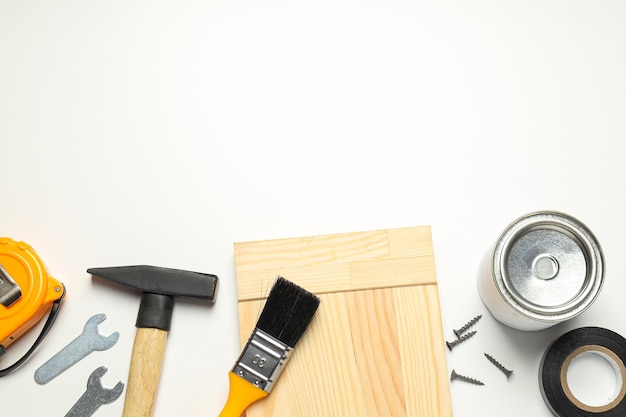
<point>593,378</point>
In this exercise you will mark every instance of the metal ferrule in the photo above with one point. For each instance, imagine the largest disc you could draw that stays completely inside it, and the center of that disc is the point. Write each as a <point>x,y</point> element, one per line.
<point>262,360</point>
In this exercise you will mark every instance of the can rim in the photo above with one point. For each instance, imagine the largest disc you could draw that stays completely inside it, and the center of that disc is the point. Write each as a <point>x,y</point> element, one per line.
<point>572,227</point>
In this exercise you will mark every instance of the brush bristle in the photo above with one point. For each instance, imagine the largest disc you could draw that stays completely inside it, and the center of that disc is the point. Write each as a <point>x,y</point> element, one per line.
<point>288,312</point>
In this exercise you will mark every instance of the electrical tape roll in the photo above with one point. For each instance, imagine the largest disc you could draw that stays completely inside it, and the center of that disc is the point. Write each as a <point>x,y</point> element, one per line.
<point>557,359</point>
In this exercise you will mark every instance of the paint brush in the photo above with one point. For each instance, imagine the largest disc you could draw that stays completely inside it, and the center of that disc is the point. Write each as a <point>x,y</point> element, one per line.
<point>288,311</point>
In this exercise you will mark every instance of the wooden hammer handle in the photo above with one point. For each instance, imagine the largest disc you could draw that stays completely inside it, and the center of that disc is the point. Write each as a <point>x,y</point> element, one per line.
<point>145,372</point>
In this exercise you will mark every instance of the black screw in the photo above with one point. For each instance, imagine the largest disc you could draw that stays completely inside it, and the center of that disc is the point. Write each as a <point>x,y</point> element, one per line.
<point>467,325</point>
<point>459,377</point>
<point>498,365</point>
<point>460,340</point>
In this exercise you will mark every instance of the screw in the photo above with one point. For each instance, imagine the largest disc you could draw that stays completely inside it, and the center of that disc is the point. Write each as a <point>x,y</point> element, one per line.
<point>498,365</point>
<point>460,340</point>
<point>467,325</point>
<point>464,378</point>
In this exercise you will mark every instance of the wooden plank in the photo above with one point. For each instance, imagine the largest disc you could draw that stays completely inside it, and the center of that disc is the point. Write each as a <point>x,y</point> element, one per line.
<point>341,262</point>
<point>422,351</point>
<point>374,351</point>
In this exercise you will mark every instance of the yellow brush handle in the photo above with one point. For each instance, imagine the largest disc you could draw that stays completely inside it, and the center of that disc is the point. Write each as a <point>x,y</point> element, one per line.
<point>145,372</point>
<point>242,394</point>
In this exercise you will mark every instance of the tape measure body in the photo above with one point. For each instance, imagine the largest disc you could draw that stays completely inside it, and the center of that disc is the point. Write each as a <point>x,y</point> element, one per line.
<point>555,363</point>
<point>25,275</point>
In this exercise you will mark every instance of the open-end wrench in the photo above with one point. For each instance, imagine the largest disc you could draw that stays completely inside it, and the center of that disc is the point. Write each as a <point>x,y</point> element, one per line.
<point>88,341</point>
<point>95,395</point>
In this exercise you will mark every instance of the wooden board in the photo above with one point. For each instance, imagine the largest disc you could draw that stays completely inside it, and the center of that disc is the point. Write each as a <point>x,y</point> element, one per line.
<point>376,347</point>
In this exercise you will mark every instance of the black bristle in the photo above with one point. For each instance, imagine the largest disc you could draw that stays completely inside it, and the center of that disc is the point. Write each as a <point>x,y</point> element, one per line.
<point>288,312</point>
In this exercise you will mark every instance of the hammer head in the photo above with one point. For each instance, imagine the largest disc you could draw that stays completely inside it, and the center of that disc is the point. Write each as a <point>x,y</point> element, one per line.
<point>164,281</point>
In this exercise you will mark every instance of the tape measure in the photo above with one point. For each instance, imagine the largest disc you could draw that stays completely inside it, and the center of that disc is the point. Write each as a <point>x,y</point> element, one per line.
<point>27,293</point>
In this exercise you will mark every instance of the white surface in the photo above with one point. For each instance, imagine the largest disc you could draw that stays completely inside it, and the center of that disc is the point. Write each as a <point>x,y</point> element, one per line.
<point>162,132</point>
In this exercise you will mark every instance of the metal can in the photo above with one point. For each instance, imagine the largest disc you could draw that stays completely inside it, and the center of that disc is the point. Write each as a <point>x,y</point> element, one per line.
<point>545,268</point>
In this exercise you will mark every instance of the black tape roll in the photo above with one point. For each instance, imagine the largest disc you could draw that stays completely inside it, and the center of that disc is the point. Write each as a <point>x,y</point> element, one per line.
<point>556,361</point>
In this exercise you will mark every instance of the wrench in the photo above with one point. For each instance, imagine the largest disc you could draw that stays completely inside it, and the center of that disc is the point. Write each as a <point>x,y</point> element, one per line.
<point>95,395</point>
<point>88,341</point>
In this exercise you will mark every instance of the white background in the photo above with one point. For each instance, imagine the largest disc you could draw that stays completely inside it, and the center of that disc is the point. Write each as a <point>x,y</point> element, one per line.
<point>155,132</point>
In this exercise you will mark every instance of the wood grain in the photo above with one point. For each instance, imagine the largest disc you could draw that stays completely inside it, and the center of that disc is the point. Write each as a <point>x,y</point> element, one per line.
<point>376,347</point>
<point>341,262</point>
<point>145,372</point>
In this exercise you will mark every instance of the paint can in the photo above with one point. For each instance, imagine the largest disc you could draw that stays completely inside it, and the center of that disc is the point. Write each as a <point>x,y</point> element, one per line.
<point>545,268</point>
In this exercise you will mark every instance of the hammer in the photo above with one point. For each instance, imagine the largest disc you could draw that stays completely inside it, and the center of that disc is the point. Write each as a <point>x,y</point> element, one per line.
<point>159,286</point>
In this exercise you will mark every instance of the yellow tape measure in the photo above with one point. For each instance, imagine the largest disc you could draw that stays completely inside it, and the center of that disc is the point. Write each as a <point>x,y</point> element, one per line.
<point>27,293</point>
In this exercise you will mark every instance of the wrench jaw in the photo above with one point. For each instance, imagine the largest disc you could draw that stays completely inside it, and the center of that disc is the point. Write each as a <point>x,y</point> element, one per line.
<point>115,392</point>
<point>100,342</point>
<point>94,380</point>
<point>95,396</point>
<point>103,343</point>
<point>94,321</point>
<point>105,395</point>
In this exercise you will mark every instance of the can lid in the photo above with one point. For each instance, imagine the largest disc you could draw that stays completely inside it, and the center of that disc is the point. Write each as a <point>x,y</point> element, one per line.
<point>549,265</point>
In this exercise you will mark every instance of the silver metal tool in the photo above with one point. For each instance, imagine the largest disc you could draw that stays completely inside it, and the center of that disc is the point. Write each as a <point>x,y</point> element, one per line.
<point>95,395</point>
<point>88,341</point>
